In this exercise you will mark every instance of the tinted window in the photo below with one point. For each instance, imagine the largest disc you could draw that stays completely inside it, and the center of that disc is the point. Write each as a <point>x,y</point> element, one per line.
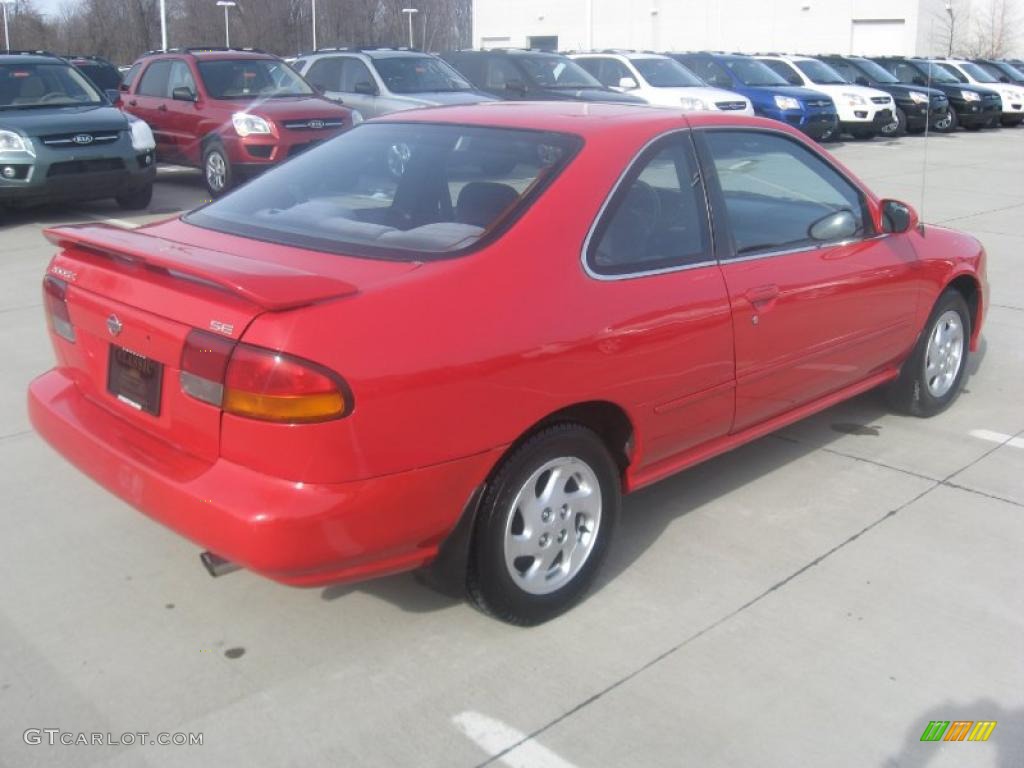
<point>251,78</point>
<point>154,79</point>
<point>501,71</point>
<point>775,189</point>
<point>940,70</point>
<point>609,71</point>
<point>710,71</point>
<point>469,65</point>
<point>395,190</point>
<point>656,219</point>
<point>846,69</point>
<point>553,71</point>
<point>104,76</point>
<point>593,66</point>
<point>325,74</point>
<point>53,85</point>
<point>420,74</point>
<point>875,71</point>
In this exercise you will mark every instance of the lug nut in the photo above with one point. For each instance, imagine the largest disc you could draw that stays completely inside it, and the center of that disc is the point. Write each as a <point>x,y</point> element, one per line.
<point>544,539</point>
<point>545,515</point>
<point>562,536</point>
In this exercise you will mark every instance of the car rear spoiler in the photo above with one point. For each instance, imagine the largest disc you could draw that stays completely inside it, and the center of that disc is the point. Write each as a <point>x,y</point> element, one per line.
<point>272,286</point>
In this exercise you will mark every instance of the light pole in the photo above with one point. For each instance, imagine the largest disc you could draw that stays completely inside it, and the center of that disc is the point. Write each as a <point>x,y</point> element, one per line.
<point>227,5</point>
<point>314,25</point>
<point>163,25</point>
<point>409,12</point>
<point>7,32</point>
<point>952,26</point>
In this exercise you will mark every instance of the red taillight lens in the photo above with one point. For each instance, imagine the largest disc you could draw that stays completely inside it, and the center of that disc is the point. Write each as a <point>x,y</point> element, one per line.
<point>272,386</point>
<point>260,383</point>
<point>204,359</point>
<point>55,295</point>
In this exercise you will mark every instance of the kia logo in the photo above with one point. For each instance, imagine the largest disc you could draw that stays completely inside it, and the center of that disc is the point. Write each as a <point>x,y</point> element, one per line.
<point>114,325</point>
<point>315,124</point>
<point>82,138</point>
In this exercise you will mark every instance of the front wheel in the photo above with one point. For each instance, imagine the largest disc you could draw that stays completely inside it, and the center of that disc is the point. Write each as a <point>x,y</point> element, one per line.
<point>217,170</point>
<point>898,126</point>
<point>947,123</point>
<point>544,525</point>
<point>932,376</point>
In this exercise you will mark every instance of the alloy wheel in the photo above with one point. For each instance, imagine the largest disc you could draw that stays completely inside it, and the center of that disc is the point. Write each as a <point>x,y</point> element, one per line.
<point>945,353</point>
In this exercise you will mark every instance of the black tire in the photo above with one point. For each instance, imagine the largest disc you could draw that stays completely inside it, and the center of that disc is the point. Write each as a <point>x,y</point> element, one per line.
<point>951,126</point>
<point>910,393</point>
<point>489,579</point>
<point>217,173</point>
<point>136,199</point>
<point>898,127</point>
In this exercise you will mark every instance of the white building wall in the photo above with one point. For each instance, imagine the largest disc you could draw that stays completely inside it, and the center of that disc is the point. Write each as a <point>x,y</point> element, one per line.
<point>797,26</point>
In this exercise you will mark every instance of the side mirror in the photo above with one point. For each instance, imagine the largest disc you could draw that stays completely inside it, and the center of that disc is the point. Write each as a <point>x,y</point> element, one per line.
<point>183,93</point>
<point>861,80</point>
<point>1004,79</point>
<point>628,83</point>
<point>840,225</point>
<point>366,88</point>
<point>516,86</point>
<point>897,217</point>
<point>114,96</point>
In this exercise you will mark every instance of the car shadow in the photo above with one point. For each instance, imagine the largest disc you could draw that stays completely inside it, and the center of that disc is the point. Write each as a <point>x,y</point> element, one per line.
<point>1007,738</point>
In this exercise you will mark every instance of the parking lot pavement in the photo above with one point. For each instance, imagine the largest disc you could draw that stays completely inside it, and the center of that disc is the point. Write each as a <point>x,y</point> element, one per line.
<point>814,598</point>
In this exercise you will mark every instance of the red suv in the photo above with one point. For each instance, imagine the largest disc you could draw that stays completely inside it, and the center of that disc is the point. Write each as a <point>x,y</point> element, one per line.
<point>229,112</point>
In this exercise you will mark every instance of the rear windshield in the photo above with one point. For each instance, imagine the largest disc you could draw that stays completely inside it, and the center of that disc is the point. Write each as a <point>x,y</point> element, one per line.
<point>28,86</point>
<point>251,78</point>
<point>402,191</point>
<point>419,74</point>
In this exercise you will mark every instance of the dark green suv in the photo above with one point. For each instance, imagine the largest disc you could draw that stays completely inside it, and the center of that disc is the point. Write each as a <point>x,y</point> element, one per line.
<point>62,139</point>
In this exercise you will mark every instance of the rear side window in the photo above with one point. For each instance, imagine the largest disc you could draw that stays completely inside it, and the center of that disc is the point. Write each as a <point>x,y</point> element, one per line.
<point>775,189</point>
<point>154,79</point>
<point>656,219</point>
<point>325,74</point>
<point>404,191</point>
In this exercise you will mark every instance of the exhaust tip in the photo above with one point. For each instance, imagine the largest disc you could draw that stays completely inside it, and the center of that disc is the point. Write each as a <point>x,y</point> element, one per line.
<point>216,565</point>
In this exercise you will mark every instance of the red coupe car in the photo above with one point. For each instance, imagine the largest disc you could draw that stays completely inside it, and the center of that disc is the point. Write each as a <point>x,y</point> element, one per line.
<point>337,372</point>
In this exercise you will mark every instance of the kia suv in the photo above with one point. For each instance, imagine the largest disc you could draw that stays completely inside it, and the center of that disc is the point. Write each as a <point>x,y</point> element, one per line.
<point>863,112</point>
<point>62,140</point>
<point>660,80</point>
<point>230,112</point>
<point>1011,94</point>
<point>1003,71</point>
<point>515,74</point>
<point>970,106</point>
<point>811,111</point>
<point>916,107</point>
<point>377,81</point>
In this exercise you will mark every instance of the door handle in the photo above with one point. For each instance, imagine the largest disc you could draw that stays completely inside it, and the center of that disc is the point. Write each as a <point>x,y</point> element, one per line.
<point>763,294</point>
<point>162,108</point>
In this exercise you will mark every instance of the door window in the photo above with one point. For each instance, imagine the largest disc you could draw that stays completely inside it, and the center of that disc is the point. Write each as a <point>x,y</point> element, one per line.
<point>154,80</point>
<point>180,77</point>
<point>775,190</point>
<point>501,71</point>
<point>657,218</point>
<point>325,74</point>
<point>612,71</point>
<point>710,72</point>
<point>784,70</point>
<point>352,73</point>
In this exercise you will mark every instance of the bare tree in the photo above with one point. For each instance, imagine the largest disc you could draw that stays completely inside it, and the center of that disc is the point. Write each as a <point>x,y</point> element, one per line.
<point>995,31</point>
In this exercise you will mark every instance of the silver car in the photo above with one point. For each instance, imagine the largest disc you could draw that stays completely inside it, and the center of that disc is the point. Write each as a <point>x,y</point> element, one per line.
<point>377,81</point>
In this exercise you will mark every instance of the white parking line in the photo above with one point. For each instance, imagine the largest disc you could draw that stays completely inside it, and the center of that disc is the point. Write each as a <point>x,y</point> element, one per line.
<point>997,437</point>
<point>493,736</point>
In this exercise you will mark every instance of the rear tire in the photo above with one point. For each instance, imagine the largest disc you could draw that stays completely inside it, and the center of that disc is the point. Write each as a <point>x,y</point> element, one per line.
<point>136,199</point>
<point>931,378</point>
<point>544,525</point>
<point>217,173</point>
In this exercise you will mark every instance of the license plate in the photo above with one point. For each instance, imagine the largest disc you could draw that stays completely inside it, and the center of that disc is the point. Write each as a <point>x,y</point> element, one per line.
<point>135,380</point>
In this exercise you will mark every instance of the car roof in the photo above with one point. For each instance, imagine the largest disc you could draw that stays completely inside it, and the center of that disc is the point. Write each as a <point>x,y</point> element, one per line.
<point>372,53</point>
<point>206,54</point>
<point>30,57</point>
<point>586,119</point>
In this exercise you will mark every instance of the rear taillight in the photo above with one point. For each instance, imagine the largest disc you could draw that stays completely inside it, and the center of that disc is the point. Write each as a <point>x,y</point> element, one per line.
<point>55,295</point>
<point>260,383</point>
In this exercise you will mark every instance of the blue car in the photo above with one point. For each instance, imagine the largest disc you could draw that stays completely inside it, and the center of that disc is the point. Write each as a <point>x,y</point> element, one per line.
<point>812,112</point>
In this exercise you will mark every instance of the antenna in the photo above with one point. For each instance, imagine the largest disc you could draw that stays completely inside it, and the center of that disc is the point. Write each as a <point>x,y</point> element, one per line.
<point>927,135</point>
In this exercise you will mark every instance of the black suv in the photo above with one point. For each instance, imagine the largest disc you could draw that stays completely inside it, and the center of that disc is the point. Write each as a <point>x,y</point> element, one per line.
<point>970,106</point>
<point>61,138</point>
<point>105,75</point>
<point>917,106</point>
<point>511,73</point>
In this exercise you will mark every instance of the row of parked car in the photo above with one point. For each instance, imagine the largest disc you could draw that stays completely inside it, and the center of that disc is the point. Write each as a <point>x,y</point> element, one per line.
<point>73,128</point>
